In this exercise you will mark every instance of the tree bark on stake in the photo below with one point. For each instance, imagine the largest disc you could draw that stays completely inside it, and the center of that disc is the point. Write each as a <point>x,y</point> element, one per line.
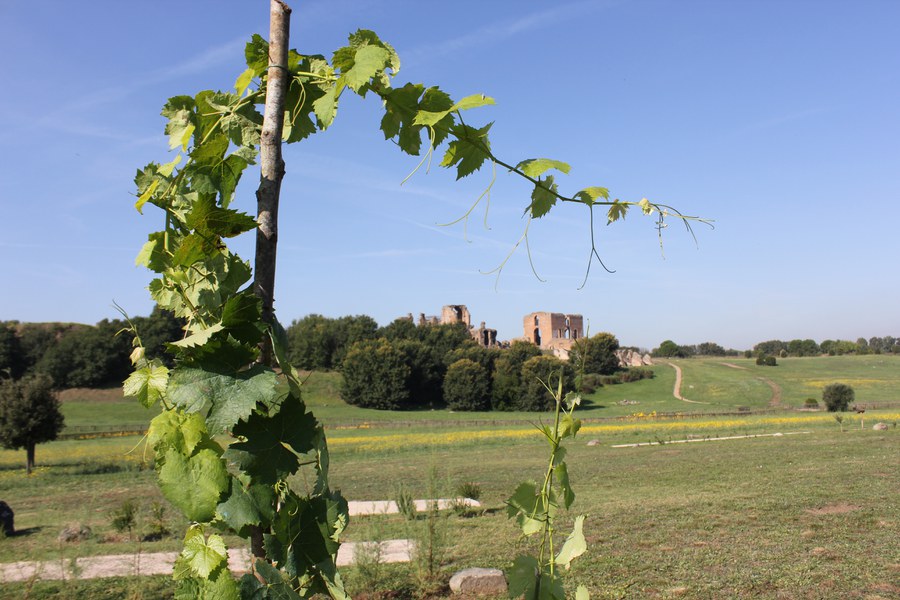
<point>269,191</point>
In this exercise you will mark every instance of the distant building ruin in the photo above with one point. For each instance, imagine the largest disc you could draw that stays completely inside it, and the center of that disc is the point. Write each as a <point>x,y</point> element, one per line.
<point>556,332</point>
<point>459,313</point>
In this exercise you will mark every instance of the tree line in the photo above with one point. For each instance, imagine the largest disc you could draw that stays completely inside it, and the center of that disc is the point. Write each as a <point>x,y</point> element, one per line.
<point>403,366</point>
<point>74,355</point>
<point>797,347</point>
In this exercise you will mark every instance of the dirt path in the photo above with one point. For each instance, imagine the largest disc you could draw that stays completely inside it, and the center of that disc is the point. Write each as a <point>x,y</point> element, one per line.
<point>775,400</point>
<point>161,563</point>
<point>733,366</point>
<point>239,560</point>
<point>677,390</point>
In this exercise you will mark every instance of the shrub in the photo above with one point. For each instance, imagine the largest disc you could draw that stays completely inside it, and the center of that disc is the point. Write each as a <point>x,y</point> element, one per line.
<point>837,397</point>
<point>406,505</point>
<point>507,375</point>
<point>469,489</point>
<point>766,360</point>
<point>124,518</point>
<point>588,383</point>
<point>538,371</point>
<point>596,354</point>
<point>811,403</point>
<point>375,375</point>
<point>467,386</point>
<point>635,374</point>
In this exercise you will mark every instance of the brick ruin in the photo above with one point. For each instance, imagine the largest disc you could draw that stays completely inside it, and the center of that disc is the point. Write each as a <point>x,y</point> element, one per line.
<point>459,313</point>
<point>556,332</point>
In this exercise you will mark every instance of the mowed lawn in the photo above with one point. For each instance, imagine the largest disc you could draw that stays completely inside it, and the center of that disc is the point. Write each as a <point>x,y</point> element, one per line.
<point>813,514</point>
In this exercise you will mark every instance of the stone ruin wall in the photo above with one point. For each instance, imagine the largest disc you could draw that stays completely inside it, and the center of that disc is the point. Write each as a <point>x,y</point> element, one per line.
<point>459,313</point>
<point>556,332</point>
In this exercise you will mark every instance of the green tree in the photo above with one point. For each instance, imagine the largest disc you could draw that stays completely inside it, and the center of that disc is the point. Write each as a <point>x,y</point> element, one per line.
<point>710,349</point>
<point>37,338</point>
<point>538,373</point>
<point>375,374</point>
<point>320,343</point>
<point>88,357</point>
<point>507,375</point>
<point>773,347</point>
<point>29,414</point>
<point>12,358</point>
<point>312,343</point>
<point>803,348</point>
<point>426,372</point>
<point>399,329</point>
<point>596,354</point>
<point>669,349</point>
<point>837,397</point>
<point>467,386</point>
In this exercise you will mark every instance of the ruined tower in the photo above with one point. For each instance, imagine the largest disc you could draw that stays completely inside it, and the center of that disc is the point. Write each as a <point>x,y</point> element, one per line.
<point>553,331</point>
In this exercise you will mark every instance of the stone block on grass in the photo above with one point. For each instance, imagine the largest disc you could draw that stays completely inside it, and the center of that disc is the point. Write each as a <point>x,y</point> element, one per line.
<point>478,581</point>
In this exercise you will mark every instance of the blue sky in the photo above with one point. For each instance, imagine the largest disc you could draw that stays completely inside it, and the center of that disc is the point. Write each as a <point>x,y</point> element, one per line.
<point>779,120</point>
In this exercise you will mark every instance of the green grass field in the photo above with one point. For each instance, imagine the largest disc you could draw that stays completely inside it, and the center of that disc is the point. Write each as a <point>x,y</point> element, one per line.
<point>811,515</point>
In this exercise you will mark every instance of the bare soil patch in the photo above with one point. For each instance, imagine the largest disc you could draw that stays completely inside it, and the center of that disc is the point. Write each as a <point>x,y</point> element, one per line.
<point>833,509</point>
<point>733,366</point>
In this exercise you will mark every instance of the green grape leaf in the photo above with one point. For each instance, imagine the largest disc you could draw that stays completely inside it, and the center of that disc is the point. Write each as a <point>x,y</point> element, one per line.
<point>178,430</point>
<point>203,554</point>
<point>435,100</point>
<point>199,338</point>
<point>524,577</point>
<point>562,476</point>
<point>152,254</point>
<point>325,107</point>
<point>264,453</point>
<point>243,125</point>
<point>229,398</point>
<point>256,53</point>
<point>304,537</point>
<point>367,61</point>
<point>194,484</point>
<point>431,118</point>
<point>213,172</point>
<point>543,197</point>
<point>243,81</point>
<point>191,249</point>
<point>146,195</point>
<point>526,504</point>
<point>646,206</point>
<point>148,384</point>
<point>568,426</point>
<point>242,317</point>
<point>574,546</point>
<point>210,220</point>
<point>590,195</point>
<point>400,107</point>
<point>298,103</point>
<point>179,110</point>
<point>616,211</point>
<point>582,593</point>
<point>277,586</point>
<point>535,167</point>
<point>246,506</point>
<point>220,585</point>
<point>468,151</point>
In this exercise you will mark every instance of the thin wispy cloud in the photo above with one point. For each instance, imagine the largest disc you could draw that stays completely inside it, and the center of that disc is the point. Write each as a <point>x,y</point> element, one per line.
<point>501,31</point>
<point>779,120</point>
<point>67,118</point>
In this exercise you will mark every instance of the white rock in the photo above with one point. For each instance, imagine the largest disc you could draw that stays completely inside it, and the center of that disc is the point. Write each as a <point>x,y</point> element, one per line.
<point>479,581</point>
